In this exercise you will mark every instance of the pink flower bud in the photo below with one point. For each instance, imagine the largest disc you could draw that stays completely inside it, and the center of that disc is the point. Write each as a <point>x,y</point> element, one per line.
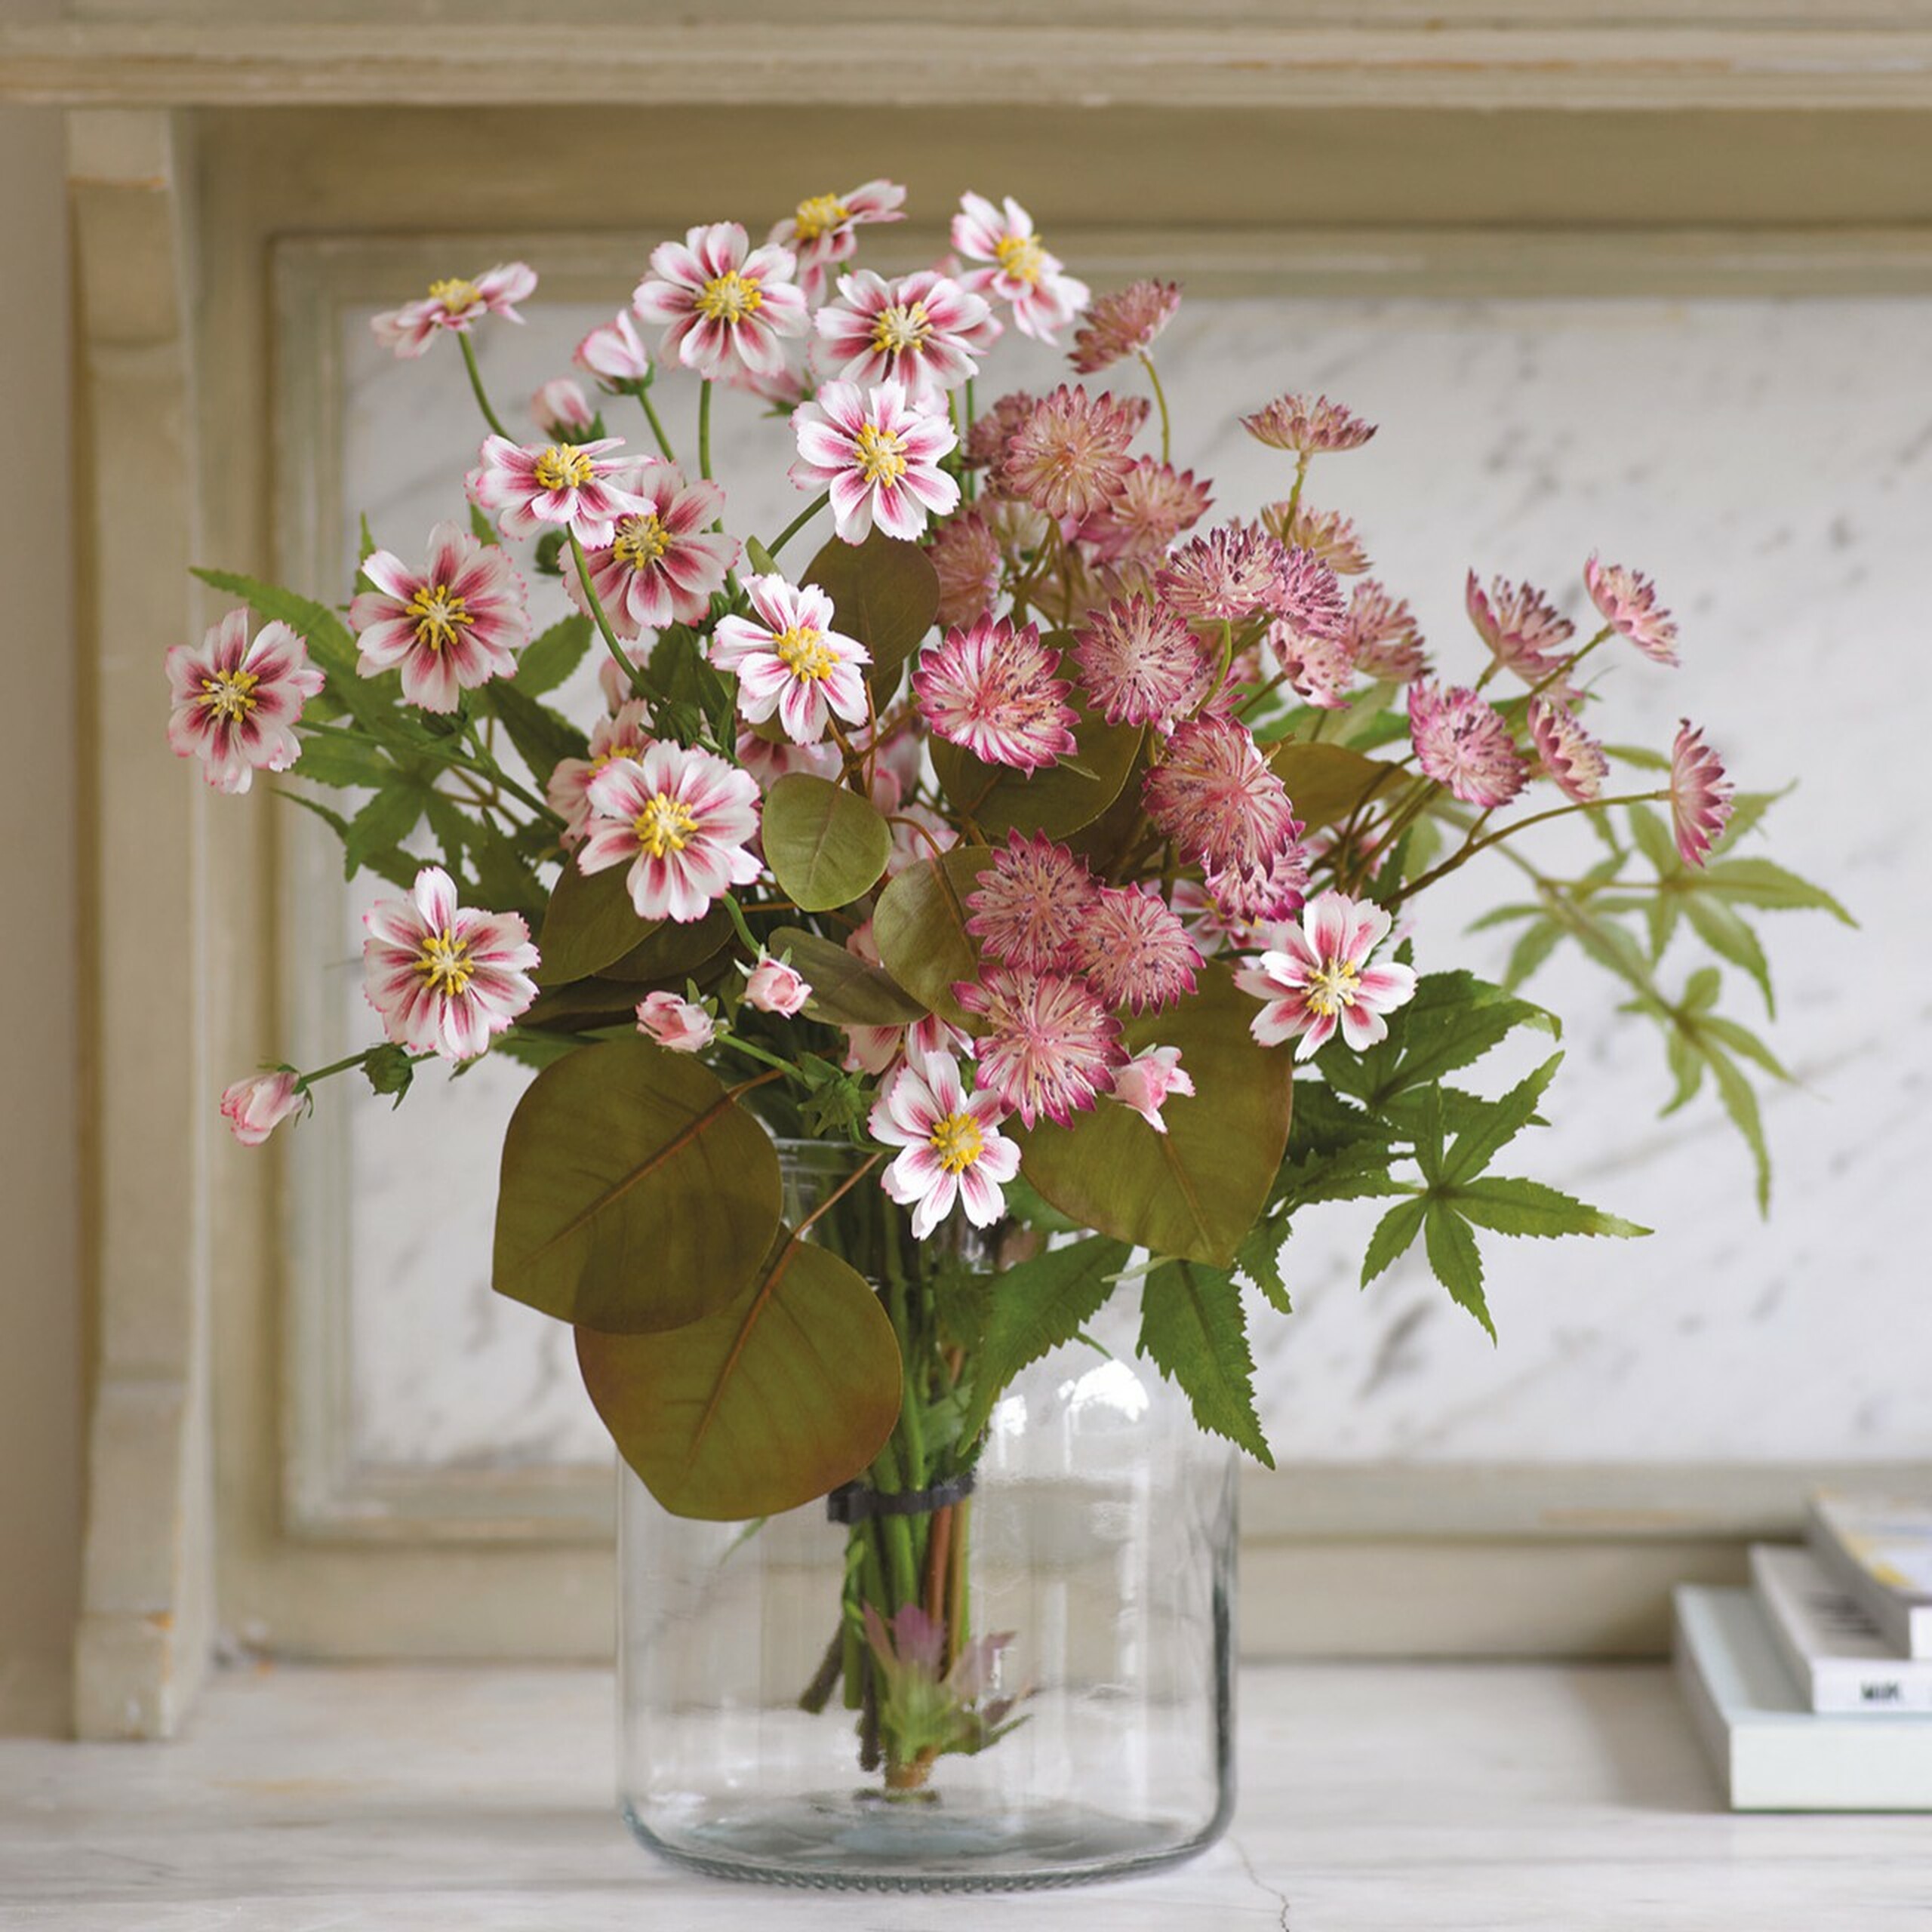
<point>679,1025</point>
<point>1145,1083</point>
<point>254,1107</point>
<point>561,405</point>
<point>772,987</point>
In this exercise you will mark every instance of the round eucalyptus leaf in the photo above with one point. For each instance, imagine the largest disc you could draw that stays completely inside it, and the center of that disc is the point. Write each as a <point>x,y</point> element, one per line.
<point>826,846</point>
<point>590,922</point>
<point>1327,782</point>
<point>1057,799</point>
<point>885,593</point>
<point>920,926</point>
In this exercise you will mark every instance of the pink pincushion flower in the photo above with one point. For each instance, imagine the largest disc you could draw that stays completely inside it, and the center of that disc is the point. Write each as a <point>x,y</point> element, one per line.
<point>662,561</point>
<point>1319,979</point>
<point>821,230</point>
<point>1320,670</point>
<point>560,408</point>
<point>1132,950</point>
<point>1216,797</point>
<point>1629,602</point>
<point>954,1153</point>
<point>1142,664</point>
<point>791,661</point>
<point>1069,455</point>
<point>1245,897</point>
<point>235,701</point>
<point>1045,298</point>
<point>614,353</point>
<point>1382,634</point>
<point>1570,755</point>
<point>445,978</point>
<point>776,985</point>
<point>992,689</point>
<point>878,457</point>
<point>625,733</point>
<point>966,554</point>
<point>572,484</point>
<point>1307,425</point>
<point>988,436</point>
<point>1147,1081</point>
<point>726,305</point>
<point>1152,504</point>
<point>1234,571</point>
<point>255,1107</point>
<point>1327,535</point>
<point>1523,630</point>
<point>1049,1047</point>
<point>457,304</point>
<point>1127,322</point>
<point>681,819</point>
<point>455,624</point>
<point>923,332</point>
<point>1027,907</point>
<point>1700,794</point>
<point>1462,742</point>
<point>679,1025</point>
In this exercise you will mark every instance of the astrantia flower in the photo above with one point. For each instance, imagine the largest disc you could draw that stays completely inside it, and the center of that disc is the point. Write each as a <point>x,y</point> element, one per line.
<point>1070,455</point>
<point>1027,907</point>
<point>679,1025</point>
<point>458,622</point>
<point>821,230</point>
<point>1152,504</point>
<point>789,659</point>
<point>966,554</point>
<point>254,1107</point>
<point>614,353</point>
<point>878,455</point>
<point>1629,602</point>
<point>1307,425</point>
<point>445,978</point>
<point>1522,628</point>
<point>1133,951</point>
<point>1045,298</point>
<point>1382,635</point>
<point>726,305</point>
<point>1462,742</point>
<point>663,560</point>
<point>1148,1081</point>
<point>235,702</point>
<point>1125,323</point>
<point>1238,569</point>
<point>1321,670</point>
<point>987,436</point>
<point>1700,794</point>
<point>923,332</point>
<point>574,484</point>
<point>560,408</point>
<point>954,1150</point>
<point>1049,1046</point>
<point>1215,796</point>
<point>681,819</point>
<point>992,689</point>
<point>1245,897</point>
<point>455,304</point>
<point>1570,755</point>
<point>1320,980</point>
<point>1326,534</point>
<point>775,985</point>
<point>625,733</point>
<point>1142,664</point>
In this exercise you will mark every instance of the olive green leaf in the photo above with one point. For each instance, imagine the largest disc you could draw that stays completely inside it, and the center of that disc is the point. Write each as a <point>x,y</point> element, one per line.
<point>885,593</point>
<point>920,924</point>
<point>590,923</point>
<point>1057,799</point>
<point>846,990</point>
<point>826,846</point>
<point>1326,783</point>
<point>672,949</point>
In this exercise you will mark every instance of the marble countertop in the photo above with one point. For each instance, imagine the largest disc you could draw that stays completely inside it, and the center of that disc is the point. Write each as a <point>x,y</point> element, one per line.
<point>1389,1797</point>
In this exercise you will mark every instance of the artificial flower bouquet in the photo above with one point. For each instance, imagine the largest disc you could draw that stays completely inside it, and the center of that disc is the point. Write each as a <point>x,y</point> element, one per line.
<point>1045,841</point>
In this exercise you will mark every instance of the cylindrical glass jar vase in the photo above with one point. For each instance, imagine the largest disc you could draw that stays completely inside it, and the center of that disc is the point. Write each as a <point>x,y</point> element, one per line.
<point>1018,1674</point>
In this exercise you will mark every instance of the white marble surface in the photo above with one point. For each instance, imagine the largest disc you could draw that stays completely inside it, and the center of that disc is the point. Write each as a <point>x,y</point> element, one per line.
<point>1768,461</point>
<point>1377,1799</point>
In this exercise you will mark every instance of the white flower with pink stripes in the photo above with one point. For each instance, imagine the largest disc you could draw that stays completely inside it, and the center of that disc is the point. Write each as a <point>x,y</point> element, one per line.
<point>954,1153</point>
<point>1018,269</point>
<point>879,457</point>
<point>726,305</point>
<point>791,661</point>
<point>457,303</point>
<point>236,700</point>
<point>1319,980</point>
<point>573,484</point>
<point>681,819</point>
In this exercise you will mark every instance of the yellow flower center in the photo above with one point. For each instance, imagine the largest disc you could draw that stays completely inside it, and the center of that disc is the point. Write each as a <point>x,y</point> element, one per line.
<point>641,541</point>
<point>905,325</point>
<point>564,466</point>
<point>1332,986</point>
<point>456,295</point>
<point>803,652</point>
<point>882,453</point>
<point>634,753</point>
<point>729,298</point>
<point>229,693</point>
<point>818,214</point>
<point>1021,257</point>
<point>440,615</point>
<point>443,960</point>
<point>666,824</point>
<point>958,1142</point>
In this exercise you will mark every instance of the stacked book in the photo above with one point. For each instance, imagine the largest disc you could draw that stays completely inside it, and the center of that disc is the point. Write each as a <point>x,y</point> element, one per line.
<point>1812,1689</point>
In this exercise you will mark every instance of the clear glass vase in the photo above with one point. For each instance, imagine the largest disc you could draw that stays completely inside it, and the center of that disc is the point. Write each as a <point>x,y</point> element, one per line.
<point>1018,1673</point>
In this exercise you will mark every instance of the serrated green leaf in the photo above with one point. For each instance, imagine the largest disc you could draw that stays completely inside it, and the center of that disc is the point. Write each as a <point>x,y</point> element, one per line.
<point>1528,1208</point>
<point>1496,1123</point>
<point>548,660</point>
<point>1453,1020</point>
<point>383,823</point>
<point>1740,1040</point>
<point>1194,1330</point>
<point>336,758</point>
<point>1393,1234</point>
<point>1259,1258</point>
<point>1760,883</point>
<point>1534,946</point>
<point>1741,1103</point>
<point>1654,839</point>
<point>1730,938</point>
<point>1455,1261</point>
<point>541,736</point>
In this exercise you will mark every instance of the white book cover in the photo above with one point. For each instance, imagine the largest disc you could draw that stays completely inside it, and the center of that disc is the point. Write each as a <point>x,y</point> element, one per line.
<point>1837,1654</point>
<point>1880,1548</point>
<point>1771,1753</point>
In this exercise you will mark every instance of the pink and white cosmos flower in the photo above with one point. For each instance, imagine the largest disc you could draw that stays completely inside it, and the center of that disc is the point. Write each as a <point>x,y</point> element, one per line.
<point>663,560</point>
<point>679,1025</point>
<point>992,689</point>
<point>455,624</point>
<point>1045,298</point>
<point>681,818</point>
<point>954,1153</point>
<point>821,230</point>
<point>625,733</point>
<point>573,484</point>
<point>614,353</point>
<point>235,701</point>
<point>792,662</point>
<point>923,332</point>
<point>726,305</point>
<point>1147,1081</point>
<point>776,985</point>
<point>1319,979</point>
<point>445,978</point>
<point>255,1107</point>
<point>878,455</point>
<point>457,303</point>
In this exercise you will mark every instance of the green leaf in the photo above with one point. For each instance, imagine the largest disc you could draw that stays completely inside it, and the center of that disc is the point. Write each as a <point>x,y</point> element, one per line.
<point>1741,1103</point>
<point>1496,1122</point>
<point>636,1194</point>
<point>1457,1264</point>
<point>1036,1306</point>
<point>543,737</point>
<point>548,660</point>
<point>1534,946</point>
<point>383,823</point>
<point>846,991</point>
<point>788,1391</point>
<point>335,757</point>
<point>1726,934</point>
<point>1760,883</point>
<point>1057,799</point>
<point>920,925</point>
<point>884,592</point>
<point>388,1069</point>
<point>1529,1208</point>
<point>826,846</point>
<point>1393,1234</point>
<point>534,1050</point>
<point>1326,781</point>
<point>481,528</point>
<point>671,950</point>
<point>1453,1020</point>
<point>1193,1330</point>
<point>1259,1258</point>
<point>590,924</point>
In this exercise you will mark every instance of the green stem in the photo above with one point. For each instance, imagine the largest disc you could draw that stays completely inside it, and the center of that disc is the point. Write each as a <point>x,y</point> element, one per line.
<point>1161,403</point>
<point>489,415</point>
<point>704,430</point>
<point>1472,845</point>
<point>633,676</point>
<point>656,428</point>
<point>797,523</point>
